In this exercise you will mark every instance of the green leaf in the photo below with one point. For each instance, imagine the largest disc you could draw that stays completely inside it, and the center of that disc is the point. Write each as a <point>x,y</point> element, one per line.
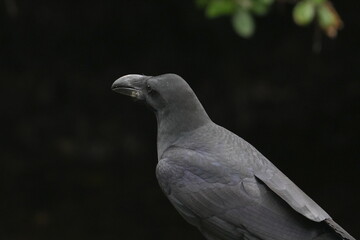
<point>243,23</point>
<point>259,8</point>
<point>304,13</point>
<point>245,4</point>
<point>218,8</point>
<point>326,17</point>
<point>266,2</point>
<point>317,2</point>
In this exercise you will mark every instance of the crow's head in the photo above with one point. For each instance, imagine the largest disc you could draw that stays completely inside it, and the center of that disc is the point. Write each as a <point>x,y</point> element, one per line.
<point>167,91</point>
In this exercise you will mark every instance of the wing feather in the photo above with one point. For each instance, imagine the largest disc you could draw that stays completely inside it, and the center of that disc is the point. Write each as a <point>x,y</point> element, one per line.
<point>240,207</point>
<point>280,184</point>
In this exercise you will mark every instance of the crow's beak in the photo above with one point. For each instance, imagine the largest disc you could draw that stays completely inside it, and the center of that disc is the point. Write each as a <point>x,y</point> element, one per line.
<point>130,85</point>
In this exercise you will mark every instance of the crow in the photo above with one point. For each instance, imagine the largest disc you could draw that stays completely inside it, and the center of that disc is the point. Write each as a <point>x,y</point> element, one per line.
<point>215,179</point>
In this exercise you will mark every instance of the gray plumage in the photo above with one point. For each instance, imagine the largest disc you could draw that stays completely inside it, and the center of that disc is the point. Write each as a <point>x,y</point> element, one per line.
<point>216,180</point>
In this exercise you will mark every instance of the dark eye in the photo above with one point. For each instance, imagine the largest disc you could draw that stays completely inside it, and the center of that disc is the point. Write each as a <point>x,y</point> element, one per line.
<point>148,88</point>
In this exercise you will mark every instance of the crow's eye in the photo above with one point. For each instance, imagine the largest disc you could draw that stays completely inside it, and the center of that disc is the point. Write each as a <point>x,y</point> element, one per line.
<point>148,88</point>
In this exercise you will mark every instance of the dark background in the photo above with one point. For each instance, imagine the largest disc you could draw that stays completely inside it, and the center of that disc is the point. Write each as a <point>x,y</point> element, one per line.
<point>78,161</point>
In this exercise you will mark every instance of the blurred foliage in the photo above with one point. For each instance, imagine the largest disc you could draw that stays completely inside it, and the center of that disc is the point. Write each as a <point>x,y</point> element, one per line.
<point>320,12</point>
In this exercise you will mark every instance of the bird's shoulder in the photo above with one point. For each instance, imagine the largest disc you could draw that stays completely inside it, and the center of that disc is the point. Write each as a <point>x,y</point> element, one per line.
<point>180,165</point>
<point>211,154</point>
<point>212,185</point>
<point>212,141</point>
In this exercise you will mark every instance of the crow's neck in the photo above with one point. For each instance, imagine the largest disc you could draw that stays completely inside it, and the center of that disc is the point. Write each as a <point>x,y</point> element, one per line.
<point>178,122</point>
